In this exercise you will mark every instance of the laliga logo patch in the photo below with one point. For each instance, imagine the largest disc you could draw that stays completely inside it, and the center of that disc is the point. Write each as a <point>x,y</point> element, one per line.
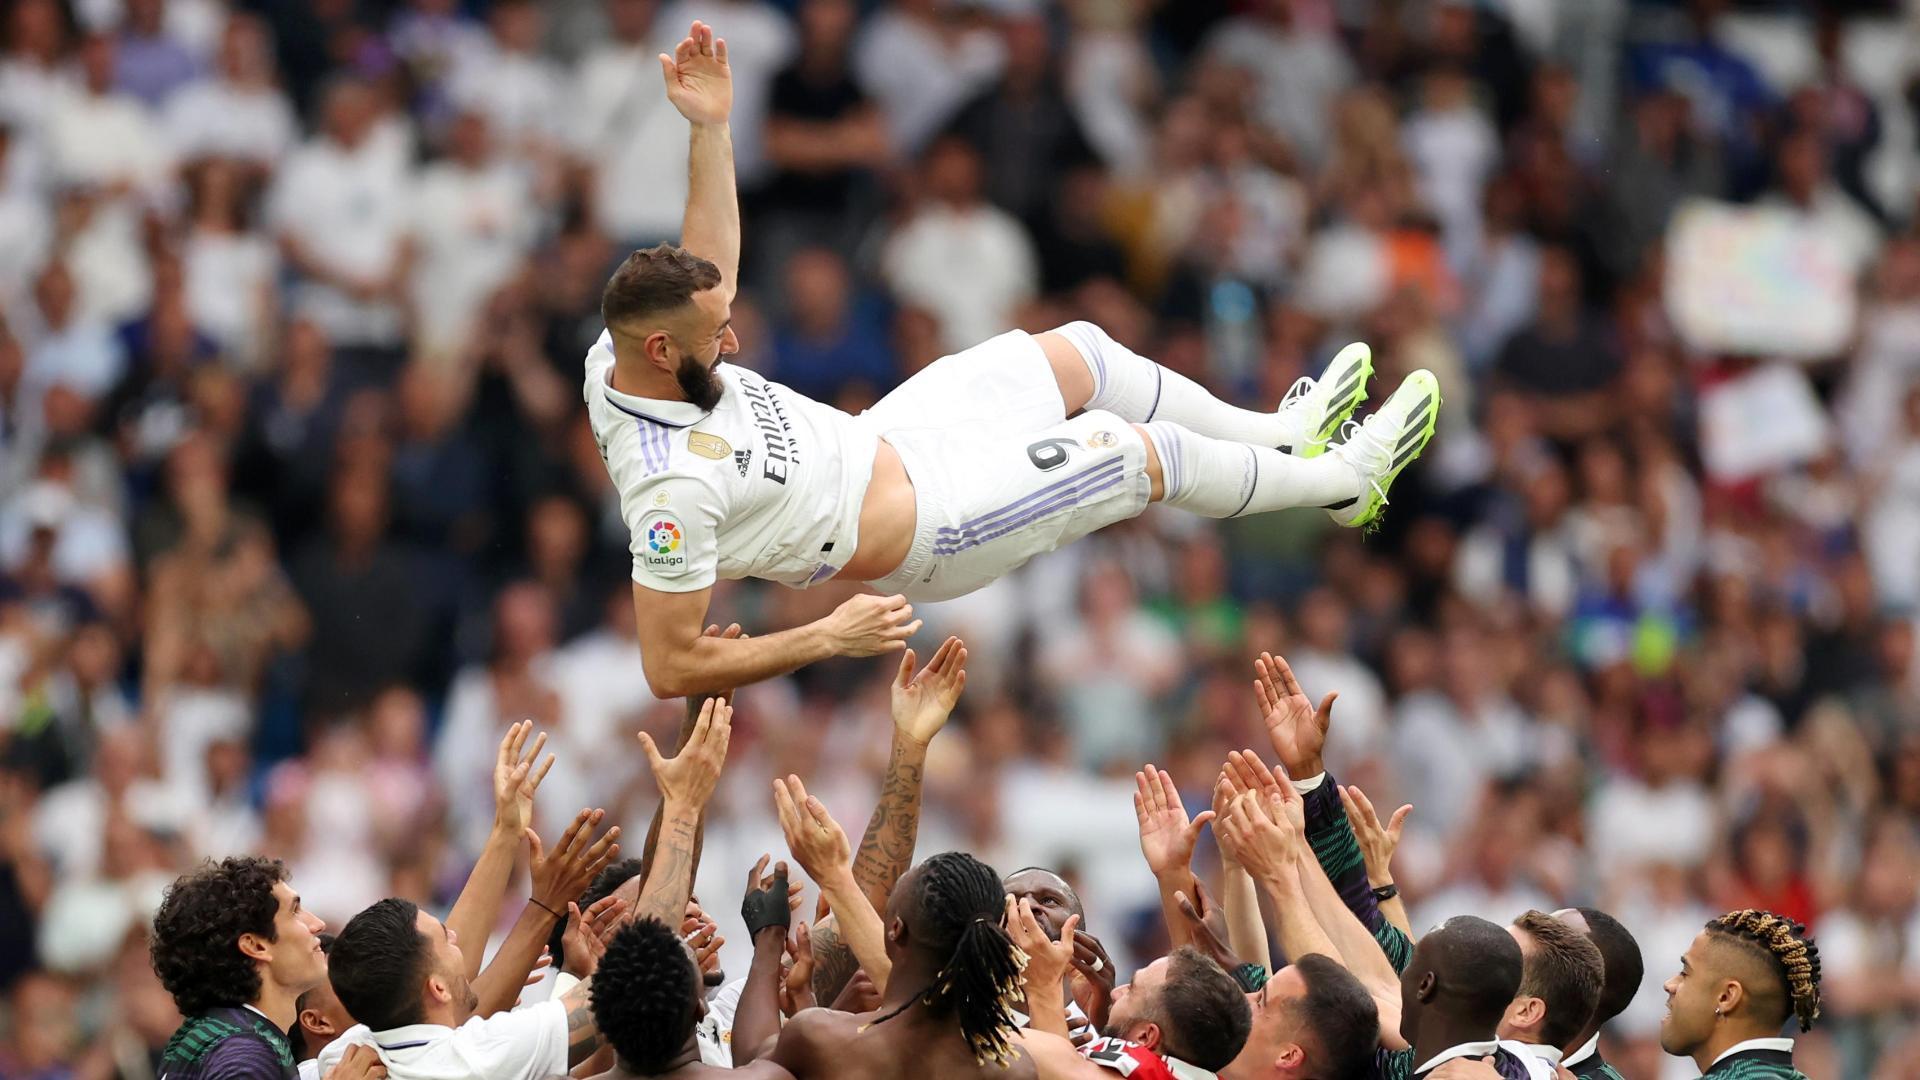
<point>665,537</point>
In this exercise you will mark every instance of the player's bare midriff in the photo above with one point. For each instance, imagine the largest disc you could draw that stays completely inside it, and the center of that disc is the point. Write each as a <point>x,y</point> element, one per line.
<point>887,520</point>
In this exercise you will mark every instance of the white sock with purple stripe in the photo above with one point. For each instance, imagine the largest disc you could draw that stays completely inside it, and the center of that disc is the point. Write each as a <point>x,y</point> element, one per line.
<point>1220,479</point>
<point>1138,390</point>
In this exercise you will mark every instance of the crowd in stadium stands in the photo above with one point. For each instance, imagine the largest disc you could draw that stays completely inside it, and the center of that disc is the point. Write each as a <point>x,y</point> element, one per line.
<point>299,508</point>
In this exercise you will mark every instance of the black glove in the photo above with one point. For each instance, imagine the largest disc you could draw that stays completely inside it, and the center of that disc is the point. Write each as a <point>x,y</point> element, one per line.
<point>765,908</point>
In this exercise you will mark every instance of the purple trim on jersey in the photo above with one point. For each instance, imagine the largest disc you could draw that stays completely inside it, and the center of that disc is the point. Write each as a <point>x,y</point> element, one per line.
<point>1173,485</point>
<point>654,445</point>
<point>1072,497</point>
<point>993,517</point>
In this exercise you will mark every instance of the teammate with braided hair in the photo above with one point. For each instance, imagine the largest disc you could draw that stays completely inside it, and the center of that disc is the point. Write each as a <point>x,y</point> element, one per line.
<point>952,977</point>
<point>1742,978</point>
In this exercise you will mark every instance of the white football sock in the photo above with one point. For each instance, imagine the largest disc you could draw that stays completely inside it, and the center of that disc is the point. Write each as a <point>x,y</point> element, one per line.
<point>1220,479</point>
<point>1139,391</point>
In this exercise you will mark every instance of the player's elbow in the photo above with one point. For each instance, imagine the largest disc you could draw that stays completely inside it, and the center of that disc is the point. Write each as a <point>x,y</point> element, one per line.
<point>673,673</point>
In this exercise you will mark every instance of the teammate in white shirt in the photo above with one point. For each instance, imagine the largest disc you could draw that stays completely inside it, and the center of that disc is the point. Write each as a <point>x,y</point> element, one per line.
<point>979,462</point>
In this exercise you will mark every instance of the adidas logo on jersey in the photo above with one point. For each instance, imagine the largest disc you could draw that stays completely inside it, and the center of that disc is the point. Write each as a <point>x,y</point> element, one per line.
<point>740,460</point>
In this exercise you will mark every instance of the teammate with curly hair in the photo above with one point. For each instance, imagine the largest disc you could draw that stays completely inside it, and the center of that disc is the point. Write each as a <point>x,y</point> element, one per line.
<point>1739,982</point>
<point>235,949</point>
<point>947,1007</point>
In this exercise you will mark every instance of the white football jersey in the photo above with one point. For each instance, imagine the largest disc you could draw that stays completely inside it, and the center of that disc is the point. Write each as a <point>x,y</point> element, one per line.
<point>767,485</point>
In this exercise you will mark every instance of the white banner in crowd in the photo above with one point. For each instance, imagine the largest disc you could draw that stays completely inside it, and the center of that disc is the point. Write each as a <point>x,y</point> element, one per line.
<point>1757,281</point>
<point>1760,422</point>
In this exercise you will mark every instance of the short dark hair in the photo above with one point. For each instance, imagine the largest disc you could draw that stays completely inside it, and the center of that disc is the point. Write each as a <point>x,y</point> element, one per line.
<point>196,933</point>
<point>1204,1011</point>
<point>1479,966</point>
<point>1564,970</point>
<point>610,877</point>
<point>653,280</point>
<point>1622,967</point>
<point>1340,1016</point>
<point>645,994</point>
<point>379,963</point>
<point>296,1034</point>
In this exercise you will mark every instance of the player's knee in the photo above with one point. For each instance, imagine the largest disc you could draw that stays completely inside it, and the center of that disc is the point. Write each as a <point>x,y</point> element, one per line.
<point>1073,355</point>
<point>1154,474</point>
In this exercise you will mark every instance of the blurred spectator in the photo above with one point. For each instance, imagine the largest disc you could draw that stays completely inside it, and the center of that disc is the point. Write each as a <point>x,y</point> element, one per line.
<point>825,136</point>
<point>1022,127</point>
<point>473,223</point>
<point>236,111</point>
<point>1297,70</point>
<point>968,263</point>
<point>339,205</point>
<point>1566,362</point>
<point>1807,188</point>
<point>149,62</point>
<point>833,335</point>
<point>520,91</point>
<point>921,60</point>
<point>1111,664</point>
<point>631,138</point>
<point>34,74</point>
<point>434,39</point>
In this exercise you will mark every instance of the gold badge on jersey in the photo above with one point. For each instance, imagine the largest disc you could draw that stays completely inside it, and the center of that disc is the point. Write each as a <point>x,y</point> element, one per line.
<point>712,447</point>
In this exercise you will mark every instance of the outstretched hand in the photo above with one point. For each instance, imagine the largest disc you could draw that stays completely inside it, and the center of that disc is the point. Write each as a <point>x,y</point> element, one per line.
<point>689,777</point>
<point>817,841</point>
<point>699,82</point>
<point>1047,960</point>
<point>588,932</point>
<point>516,779</point>
<point>560,876</point>
<point>1298,729</point>
<point>1377,842</point>
<point>1167,837</point>
<point>923,700</point>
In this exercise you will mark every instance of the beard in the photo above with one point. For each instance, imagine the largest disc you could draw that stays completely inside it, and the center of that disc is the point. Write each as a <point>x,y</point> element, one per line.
<point>698,382</point>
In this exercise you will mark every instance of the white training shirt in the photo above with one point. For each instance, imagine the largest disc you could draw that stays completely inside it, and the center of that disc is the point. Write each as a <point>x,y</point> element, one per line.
<point>766,485</point>
<point>525,1044</point>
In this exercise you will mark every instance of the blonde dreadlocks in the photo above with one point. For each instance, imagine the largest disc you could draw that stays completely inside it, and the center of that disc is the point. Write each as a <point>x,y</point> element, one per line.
<point>1786,945</point>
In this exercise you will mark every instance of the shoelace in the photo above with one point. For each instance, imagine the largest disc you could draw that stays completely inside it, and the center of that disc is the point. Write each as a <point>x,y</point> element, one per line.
<point>1375,452</point>
<point>1301,387</point>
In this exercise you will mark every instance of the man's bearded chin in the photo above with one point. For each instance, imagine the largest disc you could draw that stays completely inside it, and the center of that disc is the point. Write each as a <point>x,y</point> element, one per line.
<point>698,382</point>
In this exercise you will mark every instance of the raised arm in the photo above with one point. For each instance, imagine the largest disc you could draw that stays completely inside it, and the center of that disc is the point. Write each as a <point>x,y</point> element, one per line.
<point>921,703</point>
<point>680,661</point>
<point>1298,731</point>
<point>820,845</point>
<point>700,85</point>
<point>686,782</point>
<point>515,780</point>
<point>559,878</point>
<point>1377,844</point>
<point>1167,839</point>
<point>756,1021</point>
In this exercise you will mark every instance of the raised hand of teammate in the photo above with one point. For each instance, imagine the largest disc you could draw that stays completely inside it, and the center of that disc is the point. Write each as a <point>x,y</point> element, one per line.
<point>689,777</point>
<point>515,778</point>
<point>1262,839</point>
<point>731,633</point>
<point>585,939</point>
<point>1298,729</point>
<point>699,82</point>
<point>923,700</point>
<point>1204,937</point>
<point>1094,975</point>
<point>360,1062</point>
<point>867,625</point>
<point>796,980</point>
<point>702,935</point>
<point>817,841</point>
<point>560,876</point>
<point>1047,960</point>
<point>1377,842</point>
<point>1167,836</point>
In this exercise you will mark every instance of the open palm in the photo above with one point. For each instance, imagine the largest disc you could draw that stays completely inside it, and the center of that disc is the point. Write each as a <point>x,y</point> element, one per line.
<point>1167,836</point>
<point>922,701</point>
<point>699,82</point>
<point>1297,729</point>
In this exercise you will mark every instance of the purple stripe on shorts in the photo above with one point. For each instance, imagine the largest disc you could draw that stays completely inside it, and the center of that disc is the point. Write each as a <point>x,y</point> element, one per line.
<point>1065,500</point>
<point>989,517</point>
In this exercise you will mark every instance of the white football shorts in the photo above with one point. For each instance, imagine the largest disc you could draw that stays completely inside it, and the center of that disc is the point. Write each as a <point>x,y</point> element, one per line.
<point>999,474</point>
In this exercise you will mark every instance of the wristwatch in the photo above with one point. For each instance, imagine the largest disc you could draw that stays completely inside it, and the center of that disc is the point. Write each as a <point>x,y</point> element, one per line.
<point>1386,892</point>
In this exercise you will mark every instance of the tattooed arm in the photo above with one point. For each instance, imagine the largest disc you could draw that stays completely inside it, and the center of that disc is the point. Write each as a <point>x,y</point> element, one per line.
<point>686,782</point>
<point>583,1035</point>
<point>921,703</point>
